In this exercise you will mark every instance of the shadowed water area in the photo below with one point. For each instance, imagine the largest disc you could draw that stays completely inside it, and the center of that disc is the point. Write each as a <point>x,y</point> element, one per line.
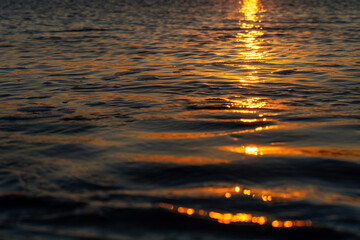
<point>184,119</point>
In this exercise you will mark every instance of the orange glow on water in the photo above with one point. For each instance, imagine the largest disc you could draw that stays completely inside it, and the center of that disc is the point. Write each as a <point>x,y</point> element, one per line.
<point>190,211</point>
<point>250,10</point>
<point>266,198</point>
<point>182,210</point>
<point>253,151</point>
<point>252,103</point>
<point>227,218</point>
<point>250,46</point>
<point>288,224</point>
<point>247,192</point>
<point>250,37</point>
<point>287,150</point>
<point>248,120</point>
<point>276,224</point>
<point>291,224</point>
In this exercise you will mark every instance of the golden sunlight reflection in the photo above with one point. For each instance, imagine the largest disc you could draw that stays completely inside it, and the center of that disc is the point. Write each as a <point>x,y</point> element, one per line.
<point>253,151</point>
<point>250,10</point>
<point>242,217</point>
<point>249,37</point>
<point>287,150</point>
<point>266,196</point>
<point>227,218</point>
<point>290,224</point>
<point>252,103</point>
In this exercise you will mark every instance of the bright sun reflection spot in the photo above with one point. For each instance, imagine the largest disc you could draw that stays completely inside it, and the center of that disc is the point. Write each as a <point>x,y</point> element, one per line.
<point>253,151</point>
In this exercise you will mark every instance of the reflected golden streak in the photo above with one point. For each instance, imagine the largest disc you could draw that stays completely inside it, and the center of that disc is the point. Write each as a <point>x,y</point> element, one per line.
<point>282,150</point>
<point>267,196</point>
<point>291,224</point>
<point>227,218</point>
<point>248,150</point>
<point>228,192</point>
<point>250,10</point>
<point>248,120</point>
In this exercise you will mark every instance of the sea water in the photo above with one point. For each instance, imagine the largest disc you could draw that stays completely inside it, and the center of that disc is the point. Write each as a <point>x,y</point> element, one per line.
<point>182,119</point>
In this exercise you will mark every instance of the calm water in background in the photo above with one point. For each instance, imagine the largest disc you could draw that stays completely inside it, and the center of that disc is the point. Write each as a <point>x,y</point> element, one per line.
<point>184,119</point>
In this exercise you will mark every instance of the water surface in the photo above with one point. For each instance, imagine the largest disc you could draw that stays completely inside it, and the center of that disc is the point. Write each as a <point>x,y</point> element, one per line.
<point>192,119</point>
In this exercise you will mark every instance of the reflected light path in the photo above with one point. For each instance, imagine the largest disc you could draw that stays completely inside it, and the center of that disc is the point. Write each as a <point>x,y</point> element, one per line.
<point>250,9</point>
<point>250,12</point>
<point>291,151</point>
<point>227,218</point>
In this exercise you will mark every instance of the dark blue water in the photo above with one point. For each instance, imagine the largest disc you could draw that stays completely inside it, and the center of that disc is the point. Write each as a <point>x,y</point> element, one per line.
<point>184,119</point>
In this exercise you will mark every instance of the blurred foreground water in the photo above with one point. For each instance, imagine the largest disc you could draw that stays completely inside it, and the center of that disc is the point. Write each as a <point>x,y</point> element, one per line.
<point>184,119</point>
